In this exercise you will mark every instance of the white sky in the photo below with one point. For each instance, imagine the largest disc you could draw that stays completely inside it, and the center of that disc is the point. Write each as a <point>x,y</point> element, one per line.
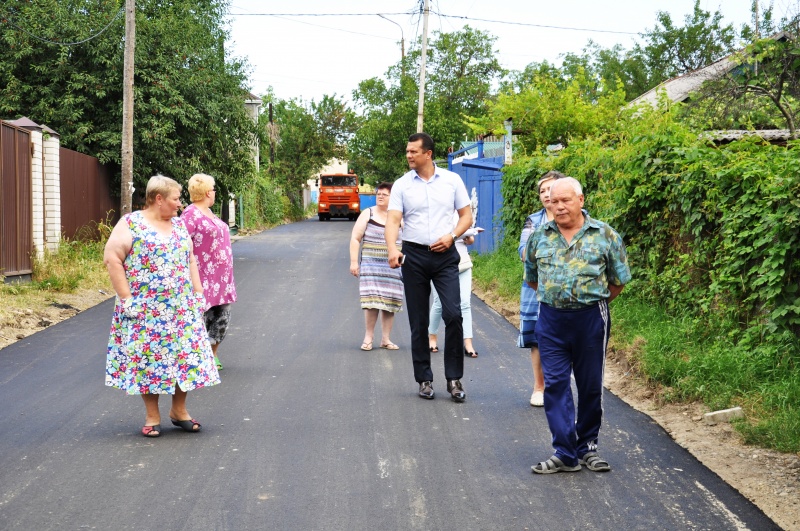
<point>310,56</point>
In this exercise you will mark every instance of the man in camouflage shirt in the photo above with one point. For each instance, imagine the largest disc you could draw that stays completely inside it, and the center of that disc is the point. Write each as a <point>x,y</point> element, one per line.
<point>577,265</point>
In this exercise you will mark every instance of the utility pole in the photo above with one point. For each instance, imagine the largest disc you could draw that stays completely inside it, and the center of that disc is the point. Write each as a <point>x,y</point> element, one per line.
<point>758,33</point>
<point>126,184</point>
<point>271,142</point>
<point>421,107</point>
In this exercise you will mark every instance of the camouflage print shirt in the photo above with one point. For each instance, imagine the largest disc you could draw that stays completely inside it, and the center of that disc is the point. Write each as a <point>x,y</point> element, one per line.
<point>576,275</point>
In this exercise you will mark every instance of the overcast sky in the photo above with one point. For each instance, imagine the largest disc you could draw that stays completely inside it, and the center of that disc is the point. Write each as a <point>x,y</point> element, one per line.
<point>308,56</point>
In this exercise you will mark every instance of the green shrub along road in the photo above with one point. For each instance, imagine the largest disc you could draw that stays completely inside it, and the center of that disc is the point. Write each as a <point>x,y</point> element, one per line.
<point>712,233</point>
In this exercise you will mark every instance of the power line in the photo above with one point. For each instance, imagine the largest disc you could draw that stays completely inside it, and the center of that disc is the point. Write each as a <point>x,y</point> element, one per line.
<point>328,27</point>
<point>23,30</point>
<point>534,25</point>
<point>462,17</point>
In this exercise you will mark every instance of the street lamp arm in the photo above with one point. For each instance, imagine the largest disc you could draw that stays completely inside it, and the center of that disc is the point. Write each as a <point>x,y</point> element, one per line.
<point>402,37</point>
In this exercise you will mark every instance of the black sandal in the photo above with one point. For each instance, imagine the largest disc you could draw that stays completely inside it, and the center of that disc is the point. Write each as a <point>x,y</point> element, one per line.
<point>187,425</point>
<point>472,354</point>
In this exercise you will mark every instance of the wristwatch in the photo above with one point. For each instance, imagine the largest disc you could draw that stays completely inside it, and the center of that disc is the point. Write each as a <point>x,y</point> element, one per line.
<point>453,234</point>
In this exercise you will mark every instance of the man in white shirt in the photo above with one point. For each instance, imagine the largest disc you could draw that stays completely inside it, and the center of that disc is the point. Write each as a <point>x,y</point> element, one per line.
<point>425,199</point>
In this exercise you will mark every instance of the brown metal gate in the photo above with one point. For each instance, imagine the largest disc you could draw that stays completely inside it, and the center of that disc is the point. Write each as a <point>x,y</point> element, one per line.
<point>86,197</point>
<point>16,201</point>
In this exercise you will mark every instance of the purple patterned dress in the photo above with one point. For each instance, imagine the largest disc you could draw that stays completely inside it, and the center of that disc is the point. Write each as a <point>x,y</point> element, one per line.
<point>165,345</point>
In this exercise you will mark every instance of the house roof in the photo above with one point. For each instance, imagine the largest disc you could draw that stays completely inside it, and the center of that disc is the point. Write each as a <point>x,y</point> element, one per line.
<point>679,88</point>
<point>729,135</point>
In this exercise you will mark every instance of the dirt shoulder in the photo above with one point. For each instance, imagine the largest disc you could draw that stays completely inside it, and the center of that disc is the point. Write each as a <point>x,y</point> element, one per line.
<point>769,479</point>
<point>25,315</point>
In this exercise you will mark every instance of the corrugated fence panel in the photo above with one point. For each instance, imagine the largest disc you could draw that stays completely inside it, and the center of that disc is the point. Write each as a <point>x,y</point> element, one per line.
<point>486,182</point>
<point>16,216</point>
<point>86,197</point>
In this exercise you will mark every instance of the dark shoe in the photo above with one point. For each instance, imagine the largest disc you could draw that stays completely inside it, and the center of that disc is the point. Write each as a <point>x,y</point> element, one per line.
<point>554,465</point>
<point>426,390</point>
<point>594,462</point>
<point>456,391</point>
<point>151,431</point>
<point>187,425</point>
<point>470,353</point>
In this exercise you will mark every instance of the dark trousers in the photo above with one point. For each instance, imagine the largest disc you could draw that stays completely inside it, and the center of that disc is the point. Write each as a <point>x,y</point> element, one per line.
<point>421,267</point>
<point>573,341</point>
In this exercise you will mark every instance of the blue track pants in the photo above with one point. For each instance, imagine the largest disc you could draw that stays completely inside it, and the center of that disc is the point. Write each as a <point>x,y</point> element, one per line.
<point>573,341</point>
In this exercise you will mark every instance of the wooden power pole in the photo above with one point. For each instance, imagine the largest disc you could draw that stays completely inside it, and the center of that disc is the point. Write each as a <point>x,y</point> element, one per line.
<point>421,106</point>
<point>126,185</point>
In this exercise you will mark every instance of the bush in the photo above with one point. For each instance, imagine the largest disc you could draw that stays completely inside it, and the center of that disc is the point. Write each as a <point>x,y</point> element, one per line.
<point>713,239</point>
<point>263,203</point>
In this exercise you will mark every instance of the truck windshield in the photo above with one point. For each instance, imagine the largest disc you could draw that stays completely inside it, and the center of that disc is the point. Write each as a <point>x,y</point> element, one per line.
<point>339,180</point>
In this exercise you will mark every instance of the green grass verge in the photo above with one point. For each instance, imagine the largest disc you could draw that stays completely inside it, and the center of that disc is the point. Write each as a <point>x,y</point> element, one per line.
<point>693,358</point>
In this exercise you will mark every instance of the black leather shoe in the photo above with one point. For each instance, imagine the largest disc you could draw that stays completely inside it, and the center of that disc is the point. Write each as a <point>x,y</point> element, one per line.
<point>426,390</point>
<point>456,391</point>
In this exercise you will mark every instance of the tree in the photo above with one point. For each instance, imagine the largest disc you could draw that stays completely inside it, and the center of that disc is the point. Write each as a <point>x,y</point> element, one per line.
<point>761,92</point>
<point>551,110</point>
<point>307,136</point>
<point>671,50</point>
<point>189,111</point>
<point>606,67</point>
<point>461,68</point>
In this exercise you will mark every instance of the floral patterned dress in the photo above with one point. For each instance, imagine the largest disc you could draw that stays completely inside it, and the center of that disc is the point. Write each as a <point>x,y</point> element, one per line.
<point>212,249</point>
<point>165,345</point>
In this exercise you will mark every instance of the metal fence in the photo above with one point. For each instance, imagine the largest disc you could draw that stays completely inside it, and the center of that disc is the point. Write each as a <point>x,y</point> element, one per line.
<point>16,202</point>
<point>86,197</point>
<point>483,178</point>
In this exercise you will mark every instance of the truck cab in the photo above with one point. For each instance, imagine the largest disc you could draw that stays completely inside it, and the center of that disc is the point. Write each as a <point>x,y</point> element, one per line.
<point>338,196</point>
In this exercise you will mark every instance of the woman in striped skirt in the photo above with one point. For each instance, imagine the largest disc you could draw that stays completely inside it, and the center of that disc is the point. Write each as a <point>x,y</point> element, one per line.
<point>380,287</point>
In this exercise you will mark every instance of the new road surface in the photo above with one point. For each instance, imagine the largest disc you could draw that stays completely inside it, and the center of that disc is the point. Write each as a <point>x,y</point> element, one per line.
<point>308,432</point>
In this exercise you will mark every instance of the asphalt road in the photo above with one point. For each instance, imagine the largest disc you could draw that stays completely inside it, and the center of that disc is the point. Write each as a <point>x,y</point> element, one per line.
<point>308,432</point>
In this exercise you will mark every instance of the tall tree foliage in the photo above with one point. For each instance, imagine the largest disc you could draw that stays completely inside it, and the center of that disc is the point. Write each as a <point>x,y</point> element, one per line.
<point>551,109</point>
<point>189,98</point>
<point>667,50</point>
<point>461,67</point>
<point>671,50</point>
<point>305,137</point>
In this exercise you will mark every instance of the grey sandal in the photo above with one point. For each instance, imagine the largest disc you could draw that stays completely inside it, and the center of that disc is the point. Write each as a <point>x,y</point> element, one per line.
<point>594,462</point>
<point>553,465</point>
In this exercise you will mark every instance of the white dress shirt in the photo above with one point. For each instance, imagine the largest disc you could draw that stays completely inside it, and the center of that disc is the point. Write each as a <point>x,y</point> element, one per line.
<point>427,206</point>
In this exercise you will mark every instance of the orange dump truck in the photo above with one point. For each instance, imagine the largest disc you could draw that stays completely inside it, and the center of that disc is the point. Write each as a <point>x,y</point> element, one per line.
<point>338,196</point>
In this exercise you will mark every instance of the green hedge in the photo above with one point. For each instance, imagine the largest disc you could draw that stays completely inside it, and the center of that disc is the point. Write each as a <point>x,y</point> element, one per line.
<point>713,234</point>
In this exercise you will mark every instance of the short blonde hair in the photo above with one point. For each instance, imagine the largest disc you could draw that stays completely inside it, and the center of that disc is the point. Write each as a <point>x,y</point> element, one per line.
<point>199,185</point>
<point>158,184</point>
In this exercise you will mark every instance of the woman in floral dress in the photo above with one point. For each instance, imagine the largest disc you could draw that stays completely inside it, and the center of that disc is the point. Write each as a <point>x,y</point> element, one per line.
<point>212,250</point>
<point>158,343</point>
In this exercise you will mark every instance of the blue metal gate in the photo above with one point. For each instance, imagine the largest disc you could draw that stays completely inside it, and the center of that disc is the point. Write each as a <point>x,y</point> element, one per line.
<point>482,177</point>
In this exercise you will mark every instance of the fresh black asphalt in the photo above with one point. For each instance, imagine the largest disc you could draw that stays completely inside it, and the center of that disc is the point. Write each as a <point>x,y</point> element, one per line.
<point>308,432</point>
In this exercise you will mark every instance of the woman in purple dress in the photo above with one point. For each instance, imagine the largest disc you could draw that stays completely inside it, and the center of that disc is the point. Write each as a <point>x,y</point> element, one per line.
<point>212,249</point>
